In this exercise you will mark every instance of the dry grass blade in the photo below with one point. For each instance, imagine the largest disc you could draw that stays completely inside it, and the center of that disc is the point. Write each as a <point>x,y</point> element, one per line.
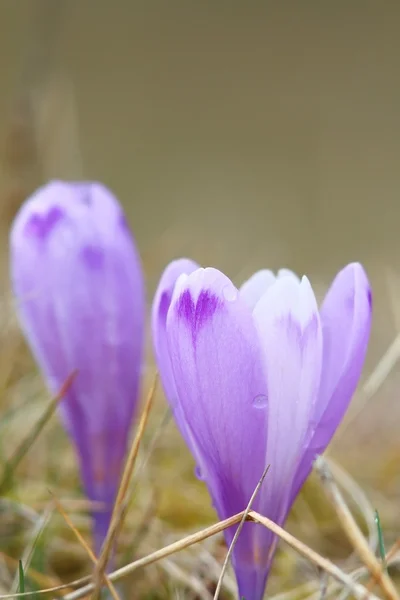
<point>212,568</point>
<point>39,578</point>
<point>83,543</point>
<point>358,590</point>
<point>353,532</point>
<point>375,381</point>
<point>118,512</point>
<point>187,579</point>
<point>147,560</point>
<point>389,556</point>
<point>50,590</point>
<point>392,558</point>
<point>237,533</point>
<point>57,129</point>
<point>153,442</point>
<point>150,449</point>
<point>36,533</point>
<point>32,436</point>
<point>21,158</point>
<point>301,591</point>
<point>359,497</point>
<point>190,540</point>
<point>144,526</point>
<point>382,370</point>
<point>323,586</point>
<point>72,505</point>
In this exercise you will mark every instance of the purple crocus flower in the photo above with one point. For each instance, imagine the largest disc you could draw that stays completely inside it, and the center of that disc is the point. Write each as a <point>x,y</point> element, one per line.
<point>258,376</point>
<point>79,293</point>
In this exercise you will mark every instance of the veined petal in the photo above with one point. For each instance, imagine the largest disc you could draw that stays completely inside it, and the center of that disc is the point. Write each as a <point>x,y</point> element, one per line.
<point>161,304</point>
<point>346,321</point>
<point>290,332</point>
<point>219,374</point>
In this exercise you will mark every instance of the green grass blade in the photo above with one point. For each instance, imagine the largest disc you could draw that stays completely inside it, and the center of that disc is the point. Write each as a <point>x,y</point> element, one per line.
<point>21,576</point>
<point>381,543</point>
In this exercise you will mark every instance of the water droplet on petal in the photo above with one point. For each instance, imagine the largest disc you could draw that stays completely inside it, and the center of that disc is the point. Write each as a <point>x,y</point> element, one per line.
<point>260,401</point>
<point>198,473</point>
<point>230,293</point>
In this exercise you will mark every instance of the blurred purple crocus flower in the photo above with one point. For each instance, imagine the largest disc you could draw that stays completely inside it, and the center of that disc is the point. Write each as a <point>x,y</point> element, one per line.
<point>79,293</point>
<point>258,376</point>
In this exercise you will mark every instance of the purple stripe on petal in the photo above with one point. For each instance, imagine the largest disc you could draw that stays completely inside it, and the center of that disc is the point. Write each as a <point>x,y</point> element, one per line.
<point>164,304</point>
<point>185,307</point>
<point>206,306</point>
<point>93,256</point>
<point>41,225</point>
<point>197,312</point>
<point>297,332</point>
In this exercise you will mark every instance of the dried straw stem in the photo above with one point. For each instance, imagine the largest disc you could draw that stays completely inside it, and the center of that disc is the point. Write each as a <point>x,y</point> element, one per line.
<point>237,533</point>
<point>83,543</point>
<point>119,510</point>
<point>326,565</point>
<point>160,554</point>
<point>353,532</point>
<point>33,434</point>
<point>359,591</point>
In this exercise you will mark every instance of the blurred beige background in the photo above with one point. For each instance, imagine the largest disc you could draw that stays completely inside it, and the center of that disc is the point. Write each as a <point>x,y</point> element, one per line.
<point>242,134</point>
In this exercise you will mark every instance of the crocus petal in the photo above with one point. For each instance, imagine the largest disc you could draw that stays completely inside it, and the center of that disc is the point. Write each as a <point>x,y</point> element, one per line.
<point>79,292</point>
<point>346,321</point>
<point>290,331</point>
<point>265,350</point>
<point>288,273</point>
<point>161,304</point>
<point>252,289</point>
<point>219,375</point>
